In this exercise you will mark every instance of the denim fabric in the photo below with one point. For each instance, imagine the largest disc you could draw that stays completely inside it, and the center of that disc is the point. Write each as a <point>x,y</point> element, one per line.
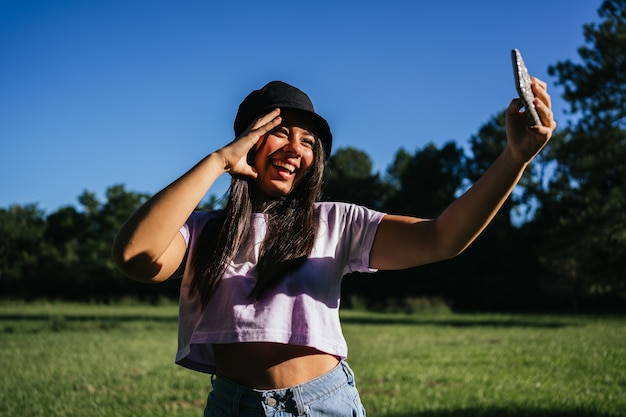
<point>331,395</point>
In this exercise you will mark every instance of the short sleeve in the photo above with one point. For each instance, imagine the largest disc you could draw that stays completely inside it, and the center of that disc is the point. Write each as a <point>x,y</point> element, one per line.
<point>362,224</point>
<point>194,225</point>
<point>348,231</point>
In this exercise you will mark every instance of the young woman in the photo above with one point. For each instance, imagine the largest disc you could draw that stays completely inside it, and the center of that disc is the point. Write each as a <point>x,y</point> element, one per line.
<point>261,279</point>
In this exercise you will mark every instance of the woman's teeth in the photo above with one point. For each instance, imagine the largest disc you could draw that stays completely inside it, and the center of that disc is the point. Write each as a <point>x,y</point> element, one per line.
<point>285,165</point>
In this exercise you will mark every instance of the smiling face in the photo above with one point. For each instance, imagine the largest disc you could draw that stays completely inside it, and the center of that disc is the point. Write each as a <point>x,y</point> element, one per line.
<point>284,155</point>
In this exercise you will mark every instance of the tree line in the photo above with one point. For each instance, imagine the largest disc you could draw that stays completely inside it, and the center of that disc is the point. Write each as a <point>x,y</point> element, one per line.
<point>559,243</point>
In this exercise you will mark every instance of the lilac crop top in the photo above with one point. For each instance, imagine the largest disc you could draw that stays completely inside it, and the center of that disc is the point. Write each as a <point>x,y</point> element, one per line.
<point>303,309</point>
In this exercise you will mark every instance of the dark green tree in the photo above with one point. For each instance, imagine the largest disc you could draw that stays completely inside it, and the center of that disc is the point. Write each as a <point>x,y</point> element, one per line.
<point>401,161</point>
<point>595,87</point>
<point>66,229</point>
<point>500,269</point>
<point>422,185</point>
<point>22,245</point>
<point>426,182</point>
<point>486,146</point>
<point>349,178</point>
<point>95,273</point>
<point>67,254</point>
<point>585,244</point>
<point>80,264</point>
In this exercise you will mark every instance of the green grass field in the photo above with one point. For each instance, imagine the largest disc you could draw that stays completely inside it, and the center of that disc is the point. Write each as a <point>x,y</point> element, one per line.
<point>92,360</point>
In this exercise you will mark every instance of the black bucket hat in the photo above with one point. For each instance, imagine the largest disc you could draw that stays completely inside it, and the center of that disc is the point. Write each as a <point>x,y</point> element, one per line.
<point>282,95</point>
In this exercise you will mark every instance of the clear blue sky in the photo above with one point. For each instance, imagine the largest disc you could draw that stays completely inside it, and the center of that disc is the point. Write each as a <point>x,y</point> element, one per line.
<point>96,93</point>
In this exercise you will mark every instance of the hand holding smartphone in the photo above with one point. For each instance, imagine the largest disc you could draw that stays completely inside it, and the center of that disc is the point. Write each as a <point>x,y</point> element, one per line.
<point>522,84</point>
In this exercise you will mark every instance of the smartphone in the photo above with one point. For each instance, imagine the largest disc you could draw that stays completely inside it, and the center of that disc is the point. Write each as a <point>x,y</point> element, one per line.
<point>522,84</point>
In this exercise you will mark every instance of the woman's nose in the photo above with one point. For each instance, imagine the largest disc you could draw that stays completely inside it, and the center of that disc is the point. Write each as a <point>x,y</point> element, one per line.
<point>293,146</point>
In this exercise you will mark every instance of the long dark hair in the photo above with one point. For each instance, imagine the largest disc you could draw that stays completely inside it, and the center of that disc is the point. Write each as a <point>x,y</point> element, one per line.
<point>291,215</point>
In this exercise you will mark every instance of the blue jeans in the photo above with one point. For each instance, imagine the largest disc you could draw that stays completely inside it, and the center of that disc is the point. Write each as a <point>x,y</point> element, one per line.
<point>333,394</point>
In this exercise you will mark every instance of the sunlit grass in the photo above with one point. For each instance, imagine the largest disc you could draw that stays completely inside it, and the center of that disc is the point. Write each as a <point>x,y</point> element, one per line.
<point>78,360</point>
<point>490,365</point>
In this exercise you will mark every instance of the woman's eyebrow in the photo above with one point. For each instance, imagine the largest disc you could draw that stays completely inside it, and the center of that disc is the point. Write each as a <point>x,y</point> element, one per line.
<point>307,132</point>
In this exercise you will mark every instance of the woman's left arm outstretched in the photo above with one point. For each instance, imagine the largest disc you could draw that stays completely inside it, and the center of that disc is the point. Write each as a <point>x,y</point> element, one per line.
<point>404,242</point>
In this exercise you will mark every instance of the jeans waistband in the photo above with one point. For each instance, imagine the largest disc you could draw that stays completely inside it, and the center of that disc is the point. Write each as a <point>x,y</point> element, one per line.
<point>296,398</point>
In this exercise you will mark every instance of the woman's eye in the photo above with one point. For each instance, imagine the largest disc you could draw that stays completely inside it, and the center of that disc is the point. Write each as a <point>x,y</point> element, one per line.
<point>280,131</point>
<point>310,142</point>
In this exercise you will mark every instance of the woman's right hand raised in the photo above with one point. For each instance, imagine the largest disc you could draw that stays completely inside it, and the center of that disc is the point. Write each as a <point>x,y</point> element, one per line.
<point>149,247</point>
<point>235,154</point>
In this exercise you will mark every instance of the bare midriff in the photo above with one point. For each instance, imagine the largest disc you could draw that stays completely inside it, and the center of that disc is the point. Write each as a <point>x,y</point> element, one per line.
<point>262,365</point>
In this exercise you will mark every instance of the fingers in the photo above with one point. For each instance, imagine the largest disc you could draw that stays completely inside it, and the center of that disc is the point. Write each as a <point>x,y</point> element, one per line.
<point>235,154</point>
<point>542,83</point>
<point>260,127</point>
<point>545,114</point>
<point>540,90</point>
<point>263,120</point>
<point>526,141</point>
<point>543,103</point>
<point>514,107</point>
